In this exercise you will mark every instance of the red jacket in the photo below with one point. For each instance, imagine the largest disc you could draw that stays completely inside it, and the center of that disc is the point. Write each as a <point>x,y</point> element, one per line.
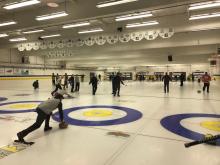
<point>206,78</point>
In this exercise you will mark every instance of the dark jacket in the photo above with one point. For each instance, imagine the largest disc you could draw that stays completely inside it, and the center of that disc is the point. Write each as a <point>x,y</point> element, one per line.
<point>93,81</point>
<point>181,77</point>
<point>35,84</point>
<point>71,80</point>
<point>166,79</point>
<point>66,78</point>
<point>117,81</point>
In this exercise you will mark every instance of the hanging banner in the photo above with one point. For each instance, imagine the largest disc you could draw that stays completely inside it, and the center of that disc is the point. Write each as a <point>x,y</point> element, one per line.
<point>8,71</point>
<point>2,71</point>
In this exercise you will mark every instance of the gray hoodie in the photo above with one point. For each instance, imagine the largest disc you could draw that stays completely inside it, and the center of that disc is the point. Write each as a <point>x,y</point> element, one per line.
<point>49,105</point>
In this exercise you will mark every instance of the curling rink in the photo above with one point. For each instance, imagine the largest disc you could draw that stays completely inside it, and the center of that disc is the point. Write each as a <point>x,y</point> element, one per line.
<point>142,127</point>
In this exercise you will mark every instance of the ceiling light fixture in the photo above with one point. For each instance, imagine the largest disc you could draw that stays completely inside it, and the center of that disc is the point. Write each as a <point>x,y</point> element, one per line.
<point>51,16</point>
<point>7,23</point>
<point>134,16</point>
<point>20,4</point>
<point>204,5</point>
<point>33,31</point>
<point>113,2</point>
<point>50,36</point>
<point>3,35</point>
<point>17,39</point>
<point>76,25</point>
<point>91,31</point>
<point>52,4</point>
<point>141,24</point>
<point>203,16</point>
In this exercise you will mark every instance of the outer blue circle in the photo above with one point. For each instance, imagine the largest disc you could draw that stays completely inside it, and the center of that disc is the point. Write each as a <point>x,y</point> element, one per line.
<point>132,115</point>
<point>172,123</point>
<point>17,111</point>
<point>22,95</point>
<point>3,99</point>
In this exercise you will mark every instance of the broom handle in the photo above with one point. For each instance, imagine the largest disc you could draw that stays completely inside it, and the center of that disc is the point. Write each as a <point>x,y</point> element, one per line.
<point>202,141</point>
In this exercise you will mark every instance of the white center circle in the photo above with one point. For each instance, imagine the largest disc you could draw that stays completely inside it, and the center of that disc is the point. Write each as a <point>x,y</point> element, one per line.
<point>80,114</point>
<point>194,124</point>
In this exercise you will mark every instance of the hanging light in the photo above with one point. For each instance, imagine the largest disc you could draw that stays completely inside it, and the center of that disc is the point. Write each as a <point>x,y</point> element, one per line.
<point>113,3</point>
<point>51,16</point>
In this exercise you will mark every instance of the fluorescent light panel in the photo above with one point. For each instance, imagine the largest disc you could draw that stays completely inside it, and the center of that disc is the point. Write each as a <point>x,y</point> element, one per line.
<point>7,23</point>
<point>33,31</point>
<point>50,36</point>
<point>17,39</point>
<point>204,5</point>
<point>3,35</point>
<point>52,4</point>
<point>204,16</point>
<point>51,16</point>
<point>91,31</point>
<point>20,4</point>
<point>76,25</point>
<point>142,24</point>
<point>112,3</point>
<point>133,16</point>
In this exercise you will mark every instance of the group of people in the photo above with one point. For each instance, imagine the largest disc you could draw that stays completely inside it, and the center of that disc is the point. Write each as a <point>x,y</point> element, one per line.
<point>117,81</point>
<point>59,81</point>
<point>116,84</point>
<point>45,109</point>
<point>206,78</point>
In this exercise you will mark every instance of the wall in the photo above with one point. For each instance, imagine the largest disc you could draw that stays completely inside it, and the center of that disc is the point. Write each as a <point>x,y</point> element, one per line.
<point>175,68</point>
<point>216,69</point>
<point>13,56</point>
<point>10,56</point>
<point>36,60</point>
<point>59,71</point>
<point>165,68</point>
<point>11,64</point>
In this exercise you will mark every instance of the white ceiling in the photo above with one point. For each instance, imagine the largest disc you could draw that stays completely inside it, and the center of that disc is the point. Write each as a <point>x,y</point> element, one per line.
<point>193,41</point>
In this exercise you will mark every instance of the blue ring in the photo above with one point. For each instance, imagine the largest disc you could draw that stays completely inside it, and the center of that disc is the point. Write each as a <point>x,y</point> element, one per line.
<point>17,111</point>
<point>132,115</point>
<point>3,99</point>
<point>172,123</point>
<point>22,95</point>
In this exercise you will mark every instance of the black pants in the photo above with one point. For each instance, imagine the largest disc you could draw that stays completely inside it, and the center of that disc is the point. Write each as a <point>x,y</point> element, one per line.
<point>166,87</point>
<point>65,85</point>
<point>94,88</point>
<point>36,87</point>
<point>41,116</point>
<point>113,87</point>
<point>116,90</point>
<point>53,82</point>
<point>181,83</point>
<point>72,87</point>
<point>206,85</point>
<point>77,86</point>
<point>58,86</point>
